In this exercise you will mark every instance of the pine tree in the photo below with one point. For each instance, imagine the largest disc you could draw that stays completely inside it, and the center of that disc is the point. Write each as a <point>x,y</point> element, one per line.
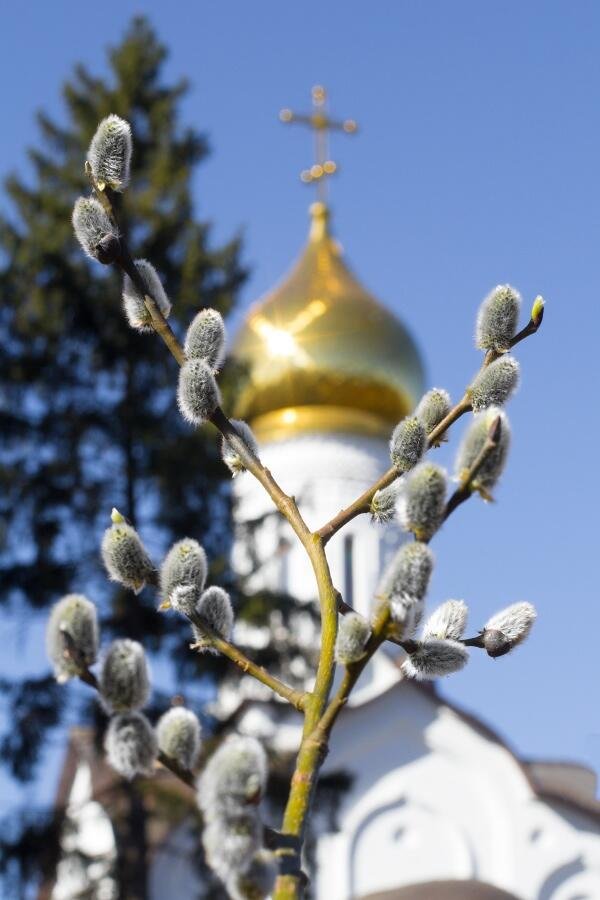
<point>87,409</point>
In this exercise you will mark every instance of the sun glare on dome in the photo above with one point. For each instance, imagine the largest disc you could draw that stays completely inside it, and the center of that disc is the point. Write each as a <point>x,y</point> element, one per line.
<point>280,342</point>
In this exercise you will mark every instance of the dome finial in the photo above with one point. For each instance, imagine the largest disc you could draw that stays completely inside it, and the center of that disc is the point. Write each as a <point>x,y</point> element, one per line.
<point>321,125</point>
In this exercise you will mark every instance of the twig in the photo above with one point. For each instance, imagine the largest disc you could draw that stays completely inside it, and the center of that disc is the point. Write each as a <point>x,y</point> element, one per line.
<point>363,503</point>
<point>298,699</point>
<point>464,491</point>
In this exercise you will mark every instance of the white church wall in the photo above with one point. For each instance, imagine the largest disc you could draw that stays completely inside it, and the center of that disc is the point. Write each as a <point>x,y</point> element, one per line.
<point>434,797</point>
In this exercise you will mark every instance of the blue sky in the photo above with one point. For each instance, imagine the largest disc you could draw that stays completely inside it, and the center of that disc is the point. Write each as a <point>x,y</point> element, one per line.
<point>476,163</point>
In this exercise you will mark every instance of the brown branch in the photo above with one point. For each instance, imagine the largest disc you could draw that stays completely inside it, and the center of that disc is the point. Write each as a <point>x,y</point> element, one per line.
<point>363,503</point>
<point>464,491</point>
<point>298,699</point>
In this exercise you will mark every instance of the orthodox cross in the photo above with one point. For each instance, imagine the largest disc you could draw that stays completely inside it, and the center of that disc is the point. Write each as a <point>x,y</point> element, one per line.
<point>321,125</point>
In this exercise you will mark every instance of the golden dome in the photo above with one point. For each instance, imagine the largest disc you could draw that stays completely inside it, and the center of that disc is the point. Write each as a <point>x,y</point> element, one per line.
<point>319,353</point>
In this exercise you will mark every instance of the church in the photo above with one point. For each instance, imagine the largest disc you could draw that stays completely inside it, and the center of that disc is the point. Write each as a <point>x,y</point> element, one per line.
<point>435,805</point>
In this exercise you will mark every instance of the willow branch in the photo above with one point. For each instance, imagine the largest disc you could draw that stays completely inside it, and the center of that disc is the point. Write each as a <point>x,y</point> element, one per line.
<point>298,699</point>
<point>237,656</point>
<point>164,759</point>
<point>465,489</point>
<point>314,703</point>
<point>363,503</point>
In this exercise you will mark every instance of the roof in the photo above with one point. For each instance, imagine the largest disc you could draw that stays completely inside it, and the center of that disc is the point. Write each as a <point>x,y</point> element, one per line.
<point>444,890</point>
<point>319,352</point>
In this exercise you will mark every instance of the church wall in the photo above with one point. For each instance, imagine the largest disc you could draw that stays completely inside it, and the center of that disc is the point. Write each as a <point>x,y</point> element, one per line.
<point>435,798</point>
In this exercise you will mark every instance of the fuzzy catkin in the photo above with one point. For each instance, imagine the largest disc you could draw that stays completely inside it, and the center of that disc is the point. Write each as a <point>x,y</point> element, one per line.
<point>130,745</point>
<point>472,443</point>
<point>383,504</point>
<point>109,154</point>
<point>228,453</point>
<point>184,599</point>
<point>448,621</point>
<point>408,573</point>
<point>124,683</point>
<point>497,319</point>
<point>178,734</point>
<point>432,408</point>
<point>406,613</point>
<point>135,309</point>
<point>422,504</point>
<point>74,615</point>
<point>205,338</point>
<point>125,557</point>
<point>352,637</point>
<point>214,608</point>
<point>233,778</point>
<point>92,225</point>
<point>495,384</point>
<point>197,393</point>
<point>231,842</point>
<point>257,881</point>
<point>435,658</point>
<point>508,628</point>
<point>408,443</point>
<point>185,566</point>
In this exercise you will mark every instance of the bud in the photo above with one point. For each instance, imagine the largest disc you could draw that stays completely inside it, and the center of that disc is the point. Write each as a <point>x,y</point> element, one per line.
<point>406,613</point>
<point>383,504</point>
<point>537,310</point>
<point>508,628</point>
<point>422,503</point>
<point>230,843</point>
<point>125,557</point>
<point>233,778</point>
<point>494,385</point>
<point>198,394</point>
<point>184,599</point>
<point>230,457</point>
<point>214,608</point>
<point>94,230</point>
<point>497,319</point>
<point>432,408</point>
<point>130,745</point>
<point>184,566</point>
<point>136,311</point>
<point>353,634</point>
<point>408,443</point>
<point>124,684</point>
<point>109,155</point>
<point>434,658</point>
<point>178,734</point>
<point>448,621</point>
<point>257,881</point>
<point>408,573</point>
<point>205,338</point>
<point>72,636</point>
<point>472,445</point>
